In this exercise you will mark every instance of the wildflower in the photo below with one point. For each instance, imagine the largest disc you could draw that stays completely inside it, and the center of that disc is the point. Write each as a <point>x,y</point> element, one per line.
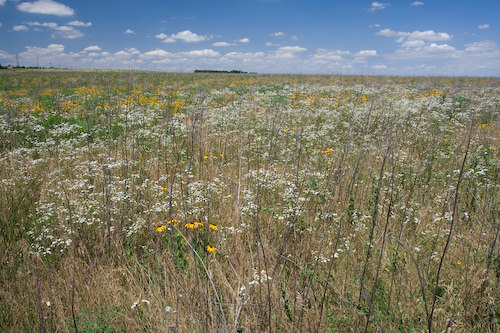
<point>189,225</point>
<point>205,157</point>
<point>161,228</point>
<point>210,248</point>
<point>163,188</point>
<point>212,226</point>
<point>459,262</point>
<point>198,224</point>
<point>173,221</point>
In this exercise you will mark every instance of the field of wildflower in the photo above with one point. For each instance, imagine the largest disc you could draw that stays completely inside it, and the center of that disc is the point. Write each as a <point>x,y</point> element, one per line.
<point>136,201</point>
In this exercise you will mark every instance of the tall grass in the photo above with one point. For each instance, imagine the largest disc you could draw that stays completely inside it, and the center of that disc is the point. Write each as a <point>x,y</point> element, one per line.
<point>139,201</point>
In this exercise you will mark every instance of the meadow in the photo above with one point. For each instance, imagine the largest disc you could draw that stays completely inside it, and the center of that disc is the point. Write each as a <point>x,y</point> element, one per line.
<point>143,201</point>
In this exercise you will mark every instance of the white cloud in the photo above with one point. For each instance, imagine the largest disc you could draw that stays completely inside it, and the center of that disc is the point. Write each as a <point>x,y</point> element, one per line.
<point>63,31</point>
<point>417,3</point>
<point>46,7</point>
<point>292,49</point>
<point>379,67</point>
<point>244,40</point>
<point>2,2</point>
<point>281,34</point>
<point>52,49</point>
<point>4,55</point>
<point>202,53</point>
<point>367,53</point>
<point>330,55</point>
<point>289,51</point>
<point>413,43</point>
<point>92,48</point>
<point>483,47</point>
<point>433,51</point>
<point>1,24</point>
<point>221,44</point>
<point>186,36</point>
<point>483,26</point>
<point>77,23</point>
<point>377,6</point>
<point>155,54</point>
<point>129,32</point>
<point>376,25</point>
<point>429,35</point>
<point>20,28</point>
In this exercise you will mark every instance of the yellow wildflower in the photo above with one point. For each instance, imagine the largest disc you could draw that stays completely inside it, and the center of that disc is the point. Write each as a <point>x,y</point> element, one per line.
<point>205,157</point>
<point>189,225</point>
<point>198,224</point>
<point>210,248</point>
<point>459,262</point>
<point>173,221</point>
<point>212,226</point>
<point>161,228</point>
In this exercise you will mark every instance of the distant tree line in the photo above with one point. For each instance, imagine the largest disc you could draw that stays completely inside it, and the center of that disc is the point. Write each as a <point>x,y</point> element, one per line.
<point>234,71</point>
<point>24,67</point>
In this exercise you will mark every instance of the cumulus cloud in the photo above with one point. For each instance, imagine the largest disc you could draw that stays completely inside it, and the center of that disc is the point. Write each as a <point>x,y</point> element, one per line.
<point>243,40</point>
<point>377,6</point>
<point>155,54</point>
<point>483,26</point>
<point>221,44</point>
<point>77,23</point>
<point>417,3</point>
<point>185,36</point>
<point>129,32</point>
<point>20,28</point>
<point>367,53</point>
<point>62,31</point>
<point>2,2</point>
<point>330,55</point>
<point>48,7</point>
<point>92,48</point>
<point>429,35</point>
<point>201,53</point>
<point>280,34</point>
<point>486,47</point>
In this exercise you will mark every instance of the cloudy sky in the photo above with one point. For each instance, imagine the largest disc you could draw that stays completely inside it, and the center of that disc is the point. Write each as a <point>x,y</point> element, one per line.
<point>403,37</point>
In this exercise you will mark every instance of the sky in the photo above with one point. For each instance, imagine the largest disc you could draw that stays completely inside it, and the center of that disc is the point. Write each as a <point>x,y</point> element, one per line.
<point>403,37</point>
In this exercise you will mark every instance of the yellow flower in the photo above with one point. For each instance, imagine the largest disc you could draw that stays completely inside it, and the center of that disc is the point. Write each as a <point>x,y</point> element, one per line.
<point>173,221</point>
<point>161,228</point>
<point>163,188</point>
<point>212,226</point>
<point>210,248</point>
<point>459,262</point>
<point>198,224</point>
<point>189,225</point>
<point>205,157</point>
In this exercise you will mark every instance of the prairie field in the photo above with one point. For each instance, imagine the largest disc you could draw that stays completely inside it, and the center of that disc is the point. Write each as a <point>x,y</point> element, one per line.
<point>145,201</point>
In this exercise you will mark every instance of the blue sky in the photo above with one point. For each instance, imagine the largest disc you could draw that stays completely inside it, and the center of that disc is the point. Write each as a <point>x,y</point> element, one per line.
<point>267,36</point>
